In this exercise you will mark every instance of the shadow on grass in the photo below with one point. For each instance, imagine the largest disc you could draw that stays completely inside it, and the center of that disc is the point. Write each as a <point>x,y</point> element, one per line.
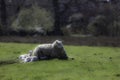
<point>7,62</point>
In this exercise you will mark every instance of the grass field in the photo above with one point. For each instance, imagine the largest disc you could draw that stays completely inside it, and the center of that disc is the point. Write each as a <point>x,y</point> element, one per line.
<point>90,63</point>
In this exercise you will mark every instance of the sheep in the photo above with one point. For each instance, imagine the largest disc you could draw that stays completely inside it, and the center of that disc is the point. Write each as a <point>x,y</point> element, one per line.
<point>27,57</point>
<point>44,52</point>
<point>50,51</point>
<point>23,56</point>
<point>33,58</point>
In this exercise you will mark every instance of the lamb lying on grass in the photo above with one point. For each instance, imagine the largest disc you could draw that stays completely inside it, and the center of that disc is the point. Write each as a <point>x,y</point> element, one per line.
<point>44,52</point>
<point>30,59</point>
<point>27,58</point>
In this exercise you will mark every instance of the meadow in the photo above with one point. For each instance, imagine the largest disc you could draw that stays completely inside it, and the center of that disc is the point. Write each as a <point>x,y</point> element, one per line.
<point>90,63</point>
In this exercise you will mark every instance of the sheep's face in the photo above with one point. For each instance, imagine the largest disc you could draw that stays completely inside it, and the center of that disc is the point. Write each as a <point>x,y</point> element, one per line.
<point>27,59</point>
<point>22,57</point>
<point>58,44</point>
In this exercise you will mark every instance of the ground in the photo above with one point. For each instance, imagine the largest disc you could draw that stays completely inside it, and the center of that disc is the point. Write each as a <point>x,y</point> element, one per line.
<point>90,63</point>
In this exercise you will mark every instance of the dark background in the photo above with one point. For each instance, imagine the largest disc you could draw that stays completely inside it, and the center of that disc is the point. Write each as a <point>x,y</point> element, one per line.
<point>81,21</point>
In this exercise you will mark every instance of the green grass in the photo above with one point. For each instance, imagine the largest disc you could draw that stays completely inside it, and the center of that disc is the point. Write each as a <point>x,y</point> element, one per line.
<point>90,63</point>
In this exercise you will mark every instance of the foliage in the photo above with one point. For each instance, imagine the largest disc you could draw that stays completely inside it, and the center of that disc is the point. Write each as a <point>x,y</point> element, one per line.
<point>90,63</point>
<point>98,26</point>
<point>33,18</point>
<point>100,17</point>
<point>66,31</point>
<point>77,23</point>
<point>0,27</point>
<point>114,28</point>
<point>106,24</point>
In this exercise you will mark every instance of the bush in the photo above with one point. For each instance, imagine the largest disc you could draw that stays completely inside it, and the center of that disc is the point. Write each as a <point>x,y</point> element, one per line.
<point>99,26</point>
<point>114,28</point>
<point>66,31</point>
<point>0,29</point>
<point>32,19</point>
<point>77,23</point>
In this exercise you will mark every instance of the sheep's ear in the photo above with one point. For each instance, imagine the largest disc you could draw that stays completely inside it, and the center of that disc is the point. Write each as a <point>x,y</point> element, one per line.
<point>59,41</point>
<point>56,40</point>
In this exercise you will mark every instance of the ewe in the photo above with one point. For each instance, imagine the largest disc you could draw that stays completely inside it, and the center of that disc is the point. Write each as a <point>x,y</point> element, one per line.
<point>50,51</point>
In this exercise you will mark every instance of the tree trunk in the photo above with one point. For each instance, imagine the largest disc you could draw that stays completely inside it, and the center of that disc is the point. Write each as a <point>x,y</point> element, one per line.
<point>3,13</point>
<point>57,24</point>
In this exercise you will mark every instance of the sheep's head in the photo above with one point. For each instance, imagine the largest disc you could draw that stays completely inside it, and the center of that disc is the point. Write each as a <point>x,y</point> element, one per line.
<point>57,44</point>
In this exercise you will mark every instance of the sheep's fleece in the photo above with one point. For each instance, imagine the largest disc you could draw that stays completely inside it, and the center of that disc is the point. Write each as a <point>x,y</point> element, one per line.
<point>44,52</point>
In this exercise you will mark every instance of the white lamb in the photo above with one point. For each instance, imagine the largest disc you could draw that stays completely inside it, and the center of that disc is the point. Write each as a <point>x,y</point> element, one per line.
<point>23,56</point>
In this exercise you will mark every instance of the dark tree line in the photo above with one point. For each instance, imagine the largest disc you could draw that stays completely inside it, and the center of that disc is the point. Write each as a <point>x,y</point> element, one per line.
<point>88,17</point>
<point>3,18</point>
<point>3,12</point>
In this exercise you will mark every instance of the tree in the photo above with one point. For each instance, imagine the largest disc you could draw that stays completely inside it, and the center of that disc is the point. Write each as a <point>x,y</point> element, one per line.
<point>3,12</point>
<point>99,26</point>
<point>57,24</point>
<point>3,16</point>
<point>33,18</point>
